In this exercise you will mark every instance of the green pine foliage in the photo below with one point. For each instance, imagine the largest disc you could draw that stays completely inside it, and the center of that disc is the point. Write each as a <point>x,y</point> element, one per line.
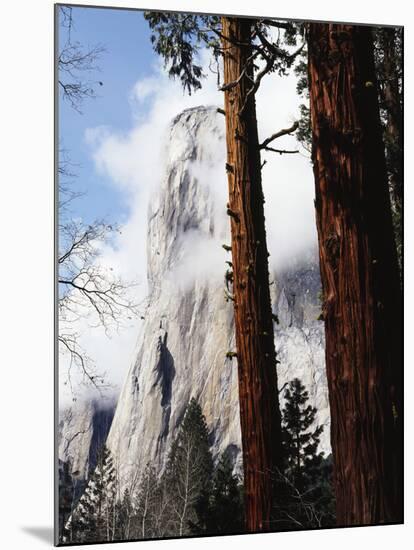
<point>94,516</point>
<point>192,496</point>
<point>178,37</point>
<point>300,444</point>
<point>304,487</point>
<point>222,512</point>
<point>304,131</point>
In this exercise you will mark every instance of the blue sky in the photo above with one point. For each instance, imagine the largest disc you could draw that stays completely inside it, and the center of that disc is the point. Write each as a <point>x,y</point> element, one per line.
<point>121,165</point>
<point>128,57</point>
<point>121,145</point>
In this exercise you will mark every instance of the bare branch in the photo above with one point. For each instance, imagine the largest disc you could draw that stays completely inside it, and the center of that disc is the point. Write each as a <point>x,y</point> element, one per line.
<point>283,387</point>
<point>231,85</point>
<point>69,344</point>
<point>73,63</point>
<point>281,151</point>
<point>69,440</point>
<point>276,51</point>
<point>66,173</point>
<point>280,133</point>
<point>270,60</point>
<point>276,24</point>
<point>88,290</point>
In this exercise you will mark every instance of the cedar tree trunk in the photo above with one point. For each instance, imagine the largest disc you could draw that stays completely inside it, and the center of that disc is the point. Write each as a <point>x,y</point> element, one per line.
<point>359,271</point>
<point>256,357</point>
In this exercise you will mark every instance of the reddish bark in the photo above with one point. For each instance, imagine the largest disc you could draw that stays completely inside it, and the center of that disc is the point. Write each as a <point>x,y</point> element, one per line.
<point>256,357</point>
<point>359,270</point>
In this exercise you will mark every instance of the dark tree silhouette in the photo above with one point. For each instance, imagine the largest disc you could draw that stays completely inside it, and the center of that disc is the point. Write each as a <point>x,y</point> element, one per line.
<point>222,511</point>
<point>123,514</point>
<point>306,492</point>
<point>299,445</point>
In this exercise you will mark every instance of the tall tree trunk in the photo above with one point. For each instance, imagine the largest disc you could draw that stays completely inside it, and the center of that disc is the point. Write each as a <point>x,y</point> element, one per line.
<point>256,357</point>
<point>359,271</point>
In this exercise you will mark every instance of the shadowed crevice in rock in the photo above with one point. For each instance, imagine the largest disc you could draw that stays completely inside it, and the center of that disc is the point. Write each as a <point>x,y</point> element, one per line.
<point>101,424</point>
<point>165,373</point>
<point>83,429</point>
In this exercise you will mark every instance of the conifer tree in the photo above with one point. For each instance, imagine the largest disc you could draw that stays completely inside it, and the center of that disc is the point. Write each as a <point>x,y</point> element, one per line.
<point>223,513</point>
<point>188,471</point>
<point>93,517</point>
<point>300,444</point>
<point>305,482</point>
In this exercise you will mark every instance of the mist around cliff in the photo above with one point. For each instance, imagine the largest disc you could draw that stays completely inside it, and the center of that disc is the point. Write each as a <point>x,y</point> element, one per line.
<point>135,162</point>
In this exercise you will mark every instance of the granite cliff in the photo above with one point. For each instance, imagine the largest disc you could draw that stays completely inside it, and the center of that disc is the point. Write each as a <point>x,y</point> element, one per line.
<point>188,325</point>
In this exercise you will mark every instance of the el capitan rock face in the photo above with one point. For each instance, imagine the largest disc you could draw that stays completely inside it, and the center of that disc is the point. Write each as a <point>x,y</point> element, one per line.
<point>188,326</point>
<point>83,428</point>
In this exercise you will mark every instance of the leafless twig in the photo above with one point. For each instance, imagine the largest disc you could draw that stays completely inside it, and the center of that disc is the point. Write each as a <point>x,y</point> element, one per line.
<point>74,62</point>
<point>280,133</point>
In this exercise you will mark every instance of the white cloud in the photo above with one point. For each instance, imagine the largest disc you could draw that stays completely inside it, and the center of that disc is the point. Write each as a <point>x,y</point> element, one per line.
<point>96,135</point>
<point>133,161</point>
<point>288,183</point>
<point>145,88</point>
<point>201,259</point>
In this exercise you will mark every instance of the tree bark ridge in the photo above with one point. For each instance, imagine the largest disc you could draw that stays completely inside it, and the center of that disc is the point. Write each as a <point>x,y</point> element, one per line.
<point>256,357</point>
<point>359,271</point>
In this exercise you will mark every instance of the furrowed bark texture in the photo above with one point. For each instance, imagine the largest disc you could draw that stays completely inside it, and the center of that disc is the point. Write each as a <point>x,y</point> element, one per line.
<point>359,270</point>
<point>256,357</point>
